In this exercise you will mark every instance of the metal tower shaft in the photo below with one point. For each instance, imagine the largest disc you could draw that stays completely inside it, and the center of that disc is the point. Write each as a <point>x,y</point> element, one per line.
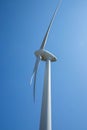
<point>45,119</point>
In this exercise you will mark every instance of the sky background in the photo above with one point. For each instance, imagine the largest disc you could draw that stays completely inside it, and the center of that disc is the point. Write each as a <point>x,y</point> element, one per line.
<point>23,24</point>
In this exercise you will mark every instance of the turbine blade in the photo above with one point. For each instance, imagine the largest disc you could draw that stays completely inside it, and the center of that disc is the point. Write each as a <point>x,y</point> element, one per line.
<point>49,27</point>
<point>35,67</point>
<point>34,88</point>
<point>33,78</point>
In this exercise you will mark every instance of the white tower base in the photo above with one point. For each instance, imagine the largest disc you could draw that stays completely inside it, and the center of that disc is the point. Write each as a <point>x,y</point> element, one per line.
<point>45,119</point>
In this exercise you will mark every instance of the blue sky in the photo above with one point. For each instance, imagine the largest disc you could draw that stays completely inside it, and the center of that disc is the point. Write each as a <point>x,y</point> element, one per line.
<point>23,24</point>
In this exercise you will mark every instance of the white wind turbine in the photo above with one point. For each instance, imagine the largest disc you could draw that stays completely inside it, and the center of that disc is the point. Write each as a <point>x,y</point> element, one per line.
<point>44,55</point>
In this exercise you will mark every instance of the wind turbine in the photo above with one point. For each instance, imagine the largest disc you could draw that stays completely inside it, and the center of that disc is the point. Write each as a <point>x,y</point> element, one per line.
<point>44,55</point>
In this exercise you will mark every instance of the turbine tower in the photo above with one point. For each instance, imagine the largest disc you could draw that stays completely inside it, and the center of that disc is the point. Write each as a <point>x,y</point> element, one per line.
<point>44,55</point>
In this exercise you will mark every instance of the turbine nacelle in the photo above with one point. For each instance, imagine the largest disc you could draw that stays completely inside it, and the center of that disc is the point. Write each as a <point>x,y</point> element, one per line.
<point>45,55</point>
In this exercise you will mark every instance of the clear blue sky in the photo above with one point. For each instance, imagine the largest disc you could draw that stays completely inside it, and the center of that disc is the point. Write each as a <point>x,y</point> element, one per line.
<point>23,24</point>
